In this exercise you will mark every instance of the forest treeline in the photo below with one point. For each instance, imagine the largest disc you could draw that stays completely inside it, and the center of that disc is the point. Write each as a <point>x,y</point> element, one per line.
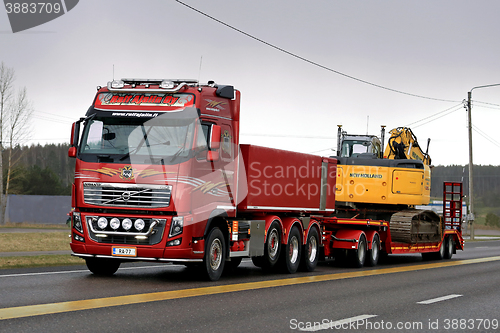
<point>47,170</point>
<point>486,182</point>
<point>40,170</point>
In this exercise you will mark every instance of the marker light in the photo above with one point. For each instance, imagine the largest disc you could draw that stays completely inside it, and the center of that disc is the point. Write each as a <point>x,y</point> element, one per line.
<point>102,223</point>
<point>114,223</point>
<point>127,224</point>
<point>139,224</point>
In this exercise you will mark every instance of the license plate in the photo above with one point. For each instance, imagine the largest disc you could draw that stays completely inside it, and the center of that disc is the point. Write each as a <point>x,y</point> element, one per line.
<point>125,251</point>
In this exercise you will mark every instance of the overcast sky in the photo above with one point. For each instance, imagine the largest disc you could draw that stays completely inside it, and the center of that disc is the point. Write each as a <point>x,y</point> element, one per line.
<point>435,49</point>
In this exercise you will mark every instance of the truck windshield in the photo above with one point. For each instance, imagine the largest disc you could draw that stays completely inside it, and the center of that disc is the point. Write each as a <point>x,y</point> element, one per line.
<point>167,138</point>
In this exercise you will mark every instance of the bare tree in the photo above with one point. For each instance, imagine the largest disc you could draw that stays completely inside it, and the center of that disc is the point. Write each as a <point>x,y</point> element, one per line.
<point>18,129</point>
<point>15,113</point>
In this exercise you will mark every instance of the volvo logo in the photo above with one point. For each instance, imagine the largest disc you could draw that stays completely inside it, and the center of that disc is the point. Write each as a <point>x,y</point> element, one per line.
<point>126,196</point>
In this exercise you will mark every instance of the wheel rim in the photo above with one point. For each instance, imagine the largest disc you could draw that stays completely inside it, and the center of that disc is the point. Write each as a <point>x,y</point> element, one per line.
<point>375,250</point>
<point>294,250</point>
<point>272,246</point>
<point>312,250</point>
<point>215,254</point>
<point>361,251</point>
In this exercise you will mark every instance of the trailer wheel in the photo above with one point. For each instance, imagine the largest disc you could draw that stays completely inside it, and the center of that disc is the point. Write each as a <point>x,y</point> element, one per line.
<point>449,246</point>
<point>374,254</point>
<point>311,251</point>
<point>358,256</point>
<point>439,255</point>
<point>291,255</point>
<point>272,249</point>
<point>102,266</point>
<point>215,255</point>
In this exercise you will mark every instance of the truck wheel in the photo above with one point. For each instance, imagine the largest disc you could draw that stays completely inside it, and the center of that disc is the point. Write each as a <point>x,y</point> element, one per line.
<point>449,246</point>
<point>215,255</point>
<point>358,256</point>
<point>102,266</point>
<point>373,254</point>
<point>291,255</point>
<point>273,246</point>
<point>311,252</point>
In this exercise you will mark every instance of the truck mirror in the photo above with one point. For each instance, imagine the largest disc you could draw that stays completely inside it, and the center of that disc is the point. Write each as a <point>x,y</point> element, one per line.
<point>72,152</point>
<point>215,137</point>
<point>212,156</point>
<point>75,132</point>
<point>75,129</point>
<point>72,140</point>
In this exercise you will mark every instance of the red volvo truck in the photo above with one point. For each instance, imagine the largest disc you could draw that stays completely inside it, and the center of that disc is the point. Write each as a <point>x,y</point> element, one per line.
<point>161,176</point>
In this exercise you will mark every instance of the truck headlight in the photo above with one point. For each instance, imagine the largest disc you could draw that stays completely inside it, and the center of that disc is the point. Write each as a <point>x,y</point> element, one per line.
<point>77,222</point>
<point>127,224</point>
<point>102,223</point>
<point>177,226</point>
<point>114,223</point>
<point>139,224</point>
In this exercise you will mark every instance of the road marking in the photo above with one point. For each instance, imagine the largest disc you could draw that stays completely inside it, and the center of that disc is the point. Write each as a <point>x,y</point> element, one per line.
<point>338,324</point>
<point>439,299</point>
<point>80,271</point>
<point>42,309</point>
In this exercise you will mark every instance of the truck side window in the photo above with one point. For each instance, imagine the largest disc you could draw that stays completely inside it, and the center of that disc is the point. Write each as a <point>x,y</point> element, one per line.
<point>202,139</point>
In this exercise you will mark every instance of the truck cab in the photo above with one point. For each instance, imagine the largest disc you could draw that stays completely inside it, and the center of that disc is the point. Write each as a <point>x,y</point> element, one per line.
<point>154,166</point>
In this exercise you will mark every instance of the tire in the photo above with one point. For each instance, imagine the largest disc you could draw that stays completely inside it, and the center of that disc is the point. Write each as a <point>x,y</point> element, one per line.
<point>310,253</point>
<point>272,248</point>
<point>358,256</point>
<point>449,246</point>
<point>373,255</point>
<point>215,255</point>
<point>102,266</point>
<point>290,258</point>
<point>439,255</point>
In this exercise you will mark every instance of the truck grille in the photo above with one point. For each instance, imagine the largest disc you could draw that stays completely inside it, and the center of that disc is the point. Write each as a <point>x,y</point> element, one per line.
<point>127,195</point>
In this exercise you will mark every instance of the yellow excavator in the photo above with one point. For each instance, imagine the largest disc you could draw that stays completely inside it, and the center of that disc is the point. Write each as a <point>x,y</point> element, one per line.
<point>387,185</point>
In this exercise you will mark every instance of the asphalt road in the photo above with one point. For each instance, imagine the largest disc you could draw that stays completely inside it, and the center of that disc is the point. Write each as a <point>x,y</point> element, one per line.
<point>405,294</point>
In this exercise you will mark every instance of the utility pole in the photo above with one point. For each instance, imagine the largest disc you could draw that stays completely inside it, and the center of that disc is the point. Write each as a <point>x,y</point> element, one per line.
<point>471,182</point>
<point>470,217</point>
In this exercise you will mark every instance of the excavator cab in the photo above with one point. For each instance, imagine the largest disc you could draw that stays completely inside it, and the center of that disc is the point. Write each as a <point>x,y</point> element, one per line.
<point>360,146</point>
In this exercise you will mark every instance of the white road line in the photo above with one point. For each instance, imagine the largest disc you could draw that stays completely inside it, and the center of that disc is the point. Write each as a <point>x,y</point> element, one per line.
<point>79,271</point>
<point>339,324</point>
<point>439,299</point>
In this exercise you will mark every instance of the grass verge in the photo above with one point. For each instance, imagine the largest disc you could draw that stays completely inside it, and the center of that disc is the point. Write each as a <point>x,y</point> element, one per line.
<point>39,261</point>
<point>34,241</point>
<point>35,226</point>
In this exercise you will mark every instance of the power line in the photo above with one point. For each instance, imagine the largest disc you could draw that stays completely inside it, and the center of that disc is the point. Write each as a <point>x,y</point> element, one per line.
<point>54,115</point>
<point>486,136</point>
<point>310,61</point>
<point>449,111</point>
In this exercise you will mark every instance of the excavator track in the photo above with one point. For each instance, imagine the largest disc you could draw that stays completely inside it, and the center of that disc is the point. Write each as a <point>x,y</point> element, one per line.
<point>415,226</point>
